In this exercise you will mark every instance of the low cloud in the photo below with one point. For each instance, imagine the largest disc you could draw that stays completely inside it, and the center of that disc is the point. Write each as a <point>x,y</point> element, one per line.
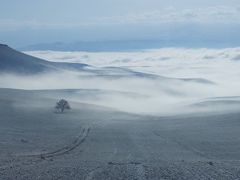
<point>209,15</point>
<point>139,94</point>
<point>217,14</point>
<point>130,94</point>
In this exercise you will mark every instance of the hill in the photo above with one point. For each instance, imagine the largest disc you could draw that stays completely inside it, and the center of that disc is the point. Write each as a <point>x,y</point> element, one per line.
<point>17,62</point>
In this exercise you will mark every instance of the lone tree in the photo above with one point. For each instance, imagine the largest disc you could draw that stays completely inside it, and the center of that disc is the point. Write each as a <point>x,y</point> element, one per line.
<point>62,105</point>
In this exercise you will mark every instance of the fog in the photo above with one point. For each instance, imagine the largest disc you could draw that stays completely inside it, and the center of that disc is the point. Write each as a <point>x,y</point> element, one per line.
<point>218,70</point>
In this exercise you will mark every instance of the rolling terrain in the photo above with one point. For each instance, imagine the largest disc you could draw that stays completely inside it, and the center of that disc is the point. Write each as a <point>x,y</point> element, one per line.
<point>125,122</point>
<point>94,142</point>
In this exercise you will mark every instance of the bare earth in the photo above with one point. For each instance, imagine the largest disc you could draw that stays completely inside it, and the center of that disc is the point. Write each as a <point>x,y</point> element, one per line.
<point>93,142</point>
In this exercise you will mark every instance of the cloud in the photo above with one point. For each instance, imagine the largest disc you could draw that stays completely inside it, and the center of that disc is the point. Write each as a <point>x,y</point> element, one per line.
<point>217,65</point>
<point>216,14</point>
<point>137,94</point>
<point>11,24</point>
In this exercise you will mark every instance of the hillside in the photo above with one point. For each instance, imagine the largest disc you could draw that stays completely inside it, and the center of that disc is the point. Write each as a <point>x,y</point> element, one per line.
<point>16,62</point>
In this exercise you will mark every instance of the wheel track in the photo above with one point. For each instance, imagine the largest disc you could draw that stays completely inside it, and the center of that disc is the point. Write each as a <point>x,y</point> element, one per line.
<point>66,149</point>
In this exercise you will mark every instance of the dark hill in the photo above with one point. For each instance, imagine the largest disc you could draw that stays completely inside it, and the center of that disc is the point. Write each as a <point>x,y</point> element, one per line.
<point>16,62</point>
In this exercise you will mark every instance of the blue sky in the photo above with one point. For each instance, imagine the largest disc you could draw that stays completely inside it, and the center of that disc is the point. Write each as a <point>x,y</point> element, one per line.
<point>24,22</point>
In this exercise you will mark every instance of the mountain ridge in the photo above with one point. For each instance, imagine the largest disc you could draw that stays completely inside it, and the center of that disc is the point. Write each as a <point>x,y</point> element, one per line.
<point>14,61</point>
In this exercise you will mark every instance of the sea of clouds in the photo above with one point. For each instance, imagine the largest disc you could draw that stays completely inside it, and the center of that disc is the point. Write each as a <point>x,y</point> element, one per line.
<point>217,69</point>
<point>218,65</point>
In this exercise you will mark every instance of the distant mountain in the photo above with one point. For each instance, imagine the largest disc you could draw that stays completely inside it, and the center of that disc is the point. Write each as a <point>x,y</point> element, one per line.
<point>129,45</point>
<point>16,62</point>
<point>95,46</point>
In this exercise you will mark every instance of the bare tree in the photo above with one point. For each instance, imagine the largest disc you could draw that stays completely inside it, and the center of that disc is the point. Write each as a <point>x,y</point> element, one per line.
<point>62,105</point>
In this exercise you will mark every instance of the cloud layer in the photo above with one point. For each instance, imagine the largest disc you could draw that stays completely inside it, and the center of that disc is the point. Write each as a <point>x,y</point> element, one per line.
<point>139,94</point>
<point>212,64</point>
<point>215,14</point>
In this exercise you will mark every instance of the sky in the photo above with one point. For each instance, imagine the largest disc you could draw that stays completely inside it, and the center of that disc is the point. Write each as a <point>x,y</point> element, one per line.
<point>28,22</point>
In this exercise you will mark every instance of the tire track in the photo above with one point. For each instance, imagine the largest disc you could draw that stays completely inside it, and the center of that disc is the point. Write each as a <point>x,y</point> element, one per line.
<point>76,143</point>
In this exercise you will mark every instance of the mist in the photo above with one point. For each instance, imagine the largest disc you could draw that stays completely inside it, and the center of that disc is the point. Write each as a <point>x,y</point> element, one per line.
<point>185,79</point>
<point>188,78</point>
